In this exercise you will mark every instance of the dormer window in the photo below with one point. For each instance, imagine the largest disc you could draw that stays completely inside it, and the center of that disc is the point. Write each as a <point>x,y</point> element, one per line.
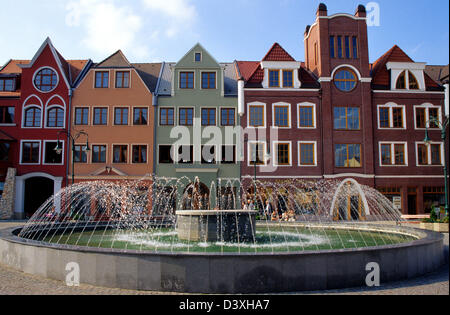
<point>407,75</point>
<point>288,78</point>
<point>274,78</point>
<point>413,84</point>
<point>7,85</point>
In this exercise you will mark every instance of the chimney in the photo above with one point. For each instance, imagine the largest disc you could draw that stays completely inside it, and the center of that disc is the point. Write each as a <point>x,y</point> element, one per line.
<point>361,11</point>
<point>322,10</point>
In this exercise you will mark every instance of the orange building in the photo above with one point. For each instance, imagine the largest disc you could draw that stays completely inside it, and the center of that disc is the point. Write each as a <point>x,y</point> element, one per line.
<point>112,111</point>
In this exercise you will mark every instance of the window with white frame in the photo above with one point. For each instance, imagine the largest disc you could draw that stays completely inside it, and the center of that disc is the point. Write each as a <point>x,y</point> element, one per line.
<point>307,151</point>
<point>306,115</point>
<point>431,154</point>
<point>391,116</point>
<point>393,154</point>
<point>283,153</point>
<point>30,152</point>
<point>424,116</point>
<point>281,115</point>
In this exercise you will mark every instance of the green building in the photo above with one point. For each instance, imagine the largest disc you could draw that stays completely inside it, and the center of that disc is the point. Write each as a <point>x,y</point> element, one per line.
<point>196,122</point>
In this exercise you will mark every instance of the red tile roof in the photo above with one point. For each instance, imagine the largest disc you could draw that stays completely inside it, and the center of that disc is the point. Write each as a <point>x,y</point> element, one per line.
<point>12,66</point>
<point>380,73</point>
<point>277,53</point>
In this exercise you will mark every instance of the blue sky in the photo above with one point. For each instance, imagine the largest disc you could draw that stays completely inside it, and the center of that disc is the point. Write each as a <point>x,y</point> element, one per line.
<point>164,30</point>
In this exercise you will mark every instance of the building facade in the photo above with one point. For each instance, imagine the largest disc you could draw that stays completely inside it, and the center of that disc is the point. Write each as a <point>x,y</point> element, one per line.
<point>197,98</point>
<point>337,116</point>
<point>112,115</point>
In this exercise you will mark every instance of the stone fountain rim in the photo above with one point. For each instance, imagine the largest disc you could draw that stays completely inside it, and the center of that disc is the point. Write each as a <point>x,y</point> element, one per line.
<point>425,237</point>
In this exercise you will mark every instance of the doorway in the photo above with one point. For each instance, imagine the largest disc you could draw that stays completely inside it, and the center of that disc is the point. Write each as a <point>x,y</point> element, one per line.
<point>37,191</point>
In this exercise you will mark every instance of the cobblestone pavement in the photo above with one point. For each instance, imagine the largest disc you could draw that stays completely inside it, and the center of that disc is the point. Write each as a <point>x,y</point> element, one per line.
<point>13,282</point>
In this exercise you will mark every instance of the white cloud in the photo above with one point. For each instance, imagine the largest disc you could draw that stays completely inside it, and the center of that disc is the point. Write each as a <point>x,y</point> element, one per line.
<point>108,26</point>
<point>180,14</point>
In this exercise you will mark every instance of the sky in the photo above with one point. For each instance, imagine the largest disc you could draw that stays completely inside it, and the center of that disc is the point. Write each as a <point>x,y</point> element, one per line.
<point>164,30</point>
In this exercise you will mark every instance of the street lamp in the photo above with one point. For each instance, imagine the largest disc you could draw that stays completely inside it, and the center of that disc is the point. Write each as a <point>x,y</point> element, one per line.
<point>443,126</point>
<point>74,138</point>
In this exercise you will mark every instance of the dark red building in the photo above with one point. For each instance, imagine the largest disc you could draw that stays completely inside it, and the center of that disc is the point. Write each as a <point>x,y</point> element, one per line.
<point>337,116</point>
<point>41,113</point>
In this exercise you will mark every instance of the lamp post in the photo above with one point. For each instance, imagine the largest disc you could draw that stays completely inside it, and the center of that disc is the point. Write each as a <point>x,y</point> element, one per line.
<point>73,138</point>
<point>443,126</point>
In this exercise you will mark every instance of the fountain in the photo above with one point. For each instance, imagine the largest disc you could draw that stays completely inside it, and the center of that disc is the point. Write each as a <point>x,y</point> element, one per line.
<point>181,235</point>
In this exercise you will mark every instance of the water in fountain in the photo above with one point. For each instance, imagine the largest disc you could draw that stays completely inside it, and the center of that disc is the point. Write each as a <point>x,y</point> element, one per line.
<point>142,215</point>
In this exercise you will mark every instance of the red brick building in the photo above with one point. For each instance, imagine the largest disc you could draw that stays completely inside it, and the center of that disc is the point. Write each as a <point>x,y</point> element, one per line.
<point>337,116</point>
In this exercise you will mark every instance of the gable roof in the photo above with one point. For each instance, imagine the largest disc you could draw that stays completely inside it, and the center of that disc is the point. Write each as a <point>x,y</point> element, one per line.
<point>149,73</point>
<point>116,60</point>
<point>381,75</point>
<point>197,46</point>
<point>437,73</point>
<point>12,66</point>
<point>277,53</point>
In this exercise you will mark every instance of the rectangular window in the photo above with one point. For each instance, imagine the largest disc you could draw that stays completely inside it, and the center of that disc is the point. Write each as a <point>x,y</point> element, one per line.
<point>121,116</point>
<point>355,47</point>
<point>384,117</point>
<point>208,116</point>
<point>339,47</point>
<point>186,80</point>
<point>393,154</point>
<point>347,47</point>
<point>167,117</point>
<point>208,80</point>
<point>79,153</point>
<point>122,79</point>
<point>397,114</point>
<point>316,54</point>
<point>198,57</point>
<point>81,116</point>
<point>307,154</point>
<point>348,155</point>
<point>186,116</point>
<point>208,154</point>
<point>101,79</point>
<point>435,154</point>
<point>228,154</point>
<point>283,152</point>
<point>257,153</point>
<point>30,152</point>
<point>306,117</point>
<point>227,116</point>
<point>99,154</point>
<point>332,47</point>
<point>120,154</point>
<point>186,154</point>
<point>140,116</point>
<point>139,154</point>
<point>7,85</point>
<point>274,78</point>
<point>165,154</point>
<point>288,78</point>
<point>7,115</point>
<point>51,156</point>
<point>421,119</point>
<point>346,118</point>
<point>433,113</point>
<point>281,116</point>
<point>256,116</point>
<point>101,116</point>
<point>422,154</point>
<point>4,151</point>
<point>400,154</point>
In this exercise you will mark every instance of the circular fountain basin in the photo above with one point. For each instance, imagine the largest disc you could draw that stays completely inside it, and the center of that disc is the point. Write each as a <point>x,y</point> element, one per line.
<point>229,272</point>
<point>212,226</point>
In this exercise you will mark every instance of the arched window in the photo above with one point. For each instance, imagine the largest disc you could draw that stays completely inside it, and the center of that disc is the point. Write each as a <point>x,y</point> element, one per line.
<point>46,80</point>
<point>401,81</point>
<point>413,83</point>
<point>345,80</point>
<point>55,117</point>
<point>32,117</point>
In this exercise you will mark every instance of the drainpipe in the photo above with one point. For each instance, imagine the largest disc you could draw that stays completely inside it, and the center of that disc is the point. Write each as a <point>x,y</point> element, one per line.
<point>68,149</point>
<point>447,110</point>
<point>241,98</point>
